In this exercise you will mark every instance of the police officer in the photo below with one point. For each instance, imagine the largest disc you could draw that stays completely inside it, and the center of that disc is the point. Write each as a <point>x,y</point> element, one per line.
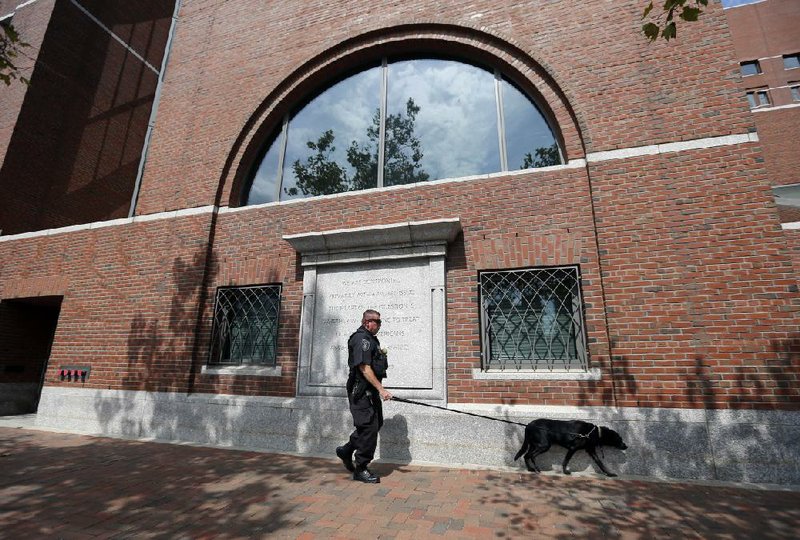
<point>365,392</point>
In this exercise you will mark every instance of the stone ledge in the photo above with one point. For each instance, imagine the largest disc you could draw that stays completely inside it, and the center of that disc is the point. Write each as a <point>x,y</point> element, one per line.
<point>527,375</point>
<point>406,234</point>
<point>250,371</point>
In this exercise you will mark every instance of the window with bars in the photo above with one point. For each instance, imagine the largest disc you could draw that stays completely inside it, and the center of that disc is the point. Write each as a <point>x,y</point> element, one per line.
<point>532,319</point>
<point>245,329</point>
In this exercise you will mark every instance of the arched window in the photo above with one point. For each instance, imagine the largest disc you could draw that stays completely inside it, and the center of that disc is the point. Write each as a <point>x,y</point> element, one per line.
<point>402,122</point>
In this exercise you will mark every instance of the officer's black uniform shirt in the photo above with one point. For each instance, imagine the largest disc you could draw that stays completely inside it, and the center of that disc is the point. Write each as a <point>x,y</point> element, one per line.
<point>362,348</point>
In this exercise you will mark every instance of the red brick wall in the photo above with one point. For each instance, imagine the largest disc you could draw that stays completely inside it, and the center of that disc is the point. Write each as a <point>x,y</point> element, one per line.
<point>702,305</point>
<point>779,133</point>
<point>130,299</point>
<point>232,61</point>
<point>765,31</point>
<point>792,239</point>
<point>78,136</point>
<point>507,222</point>
<point>681,254</point>
<point>31,24</point>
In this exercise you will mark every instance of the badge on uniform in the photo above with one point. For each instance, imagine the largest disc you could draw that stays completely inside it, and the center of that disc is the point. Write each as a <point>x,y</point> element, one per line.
<point>365,345</point>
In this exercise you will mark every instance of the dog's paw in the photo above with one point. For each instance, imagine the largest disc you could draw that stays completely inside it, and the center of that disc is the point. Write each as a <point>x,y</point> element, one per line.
<point>567,472</point>
<point>611,475</point>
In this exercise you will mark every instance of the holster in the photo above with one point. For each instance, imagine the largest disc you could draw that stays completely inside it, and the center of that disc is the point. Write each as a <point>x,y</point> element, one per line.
<point>359,389</point>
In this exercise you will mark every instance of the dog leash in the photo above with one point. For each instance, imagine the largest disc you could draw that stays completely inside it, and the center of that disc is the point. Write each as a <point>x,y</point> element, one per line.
<point>395,398</point>
<point>412,402</point>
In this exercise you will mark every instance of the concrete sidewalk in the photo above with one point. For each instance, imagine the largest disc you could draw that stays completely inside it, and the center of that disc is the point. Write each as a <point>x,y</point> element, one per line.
<point>60,485</point>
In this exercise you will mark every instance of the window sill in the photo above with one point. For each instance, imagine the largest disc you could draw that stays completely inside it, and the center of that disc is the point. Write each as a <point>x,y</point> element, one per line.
<point>528,375</point>
<point>252,371</point>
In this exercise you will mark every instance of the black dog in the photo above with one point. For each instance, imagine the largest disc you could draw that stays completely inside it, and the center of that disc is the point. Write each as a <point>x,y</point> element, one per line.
<point>573,435</point>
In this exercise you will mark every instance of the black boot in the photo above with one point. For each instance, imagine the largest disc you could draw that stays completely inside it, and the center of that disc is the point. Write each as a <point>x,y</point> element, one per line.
<point>346,456</point>
<point>364,475</point>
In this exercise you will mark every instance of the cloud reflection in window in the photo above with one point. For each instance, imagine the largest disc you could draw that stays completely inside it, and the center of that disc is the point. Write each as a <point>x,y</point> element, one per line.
<point>441,121</point>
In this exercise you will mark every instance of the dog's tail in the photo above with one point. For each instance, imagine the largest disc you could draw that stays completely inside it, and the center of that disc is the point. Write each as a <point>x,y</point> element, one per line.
<point>522,450</point>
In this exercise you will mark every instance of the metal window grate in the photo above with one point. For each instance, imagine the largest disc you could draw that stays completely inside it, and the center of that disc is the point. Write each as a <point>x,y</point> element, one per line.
<point>533,320</point>
<point>245,329</point>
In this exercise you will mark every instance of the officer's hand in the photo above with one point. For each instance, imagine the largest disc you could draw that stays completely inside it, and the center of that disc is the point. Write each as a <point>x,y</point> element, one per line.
<point>386,395</point>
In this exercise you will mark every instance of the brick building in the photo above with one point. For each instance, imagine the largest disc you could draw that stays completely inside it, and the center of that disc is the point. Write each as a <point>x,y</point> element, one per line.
<point>767,45</point>
<point>554,217</point>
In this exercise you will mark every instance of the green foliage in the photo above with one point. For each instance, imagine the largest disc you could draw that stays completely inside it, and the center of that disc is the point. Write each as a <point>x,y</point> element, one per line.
<point>364,160</point>
<point>321,175</point>
<point>403,150</point>
<point>664,23</point>
<point>544,156</point>
<point>10,46</point>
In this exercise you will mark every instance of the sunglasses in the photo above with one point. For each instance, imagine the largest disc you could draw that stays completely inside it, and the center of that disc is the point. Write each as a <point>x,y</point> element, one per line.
<point>374,320</point>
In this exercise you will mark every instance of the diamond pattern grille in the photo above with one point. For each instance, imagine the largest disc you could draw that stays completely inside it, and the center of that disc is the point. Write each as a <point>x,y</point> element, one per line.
<point>245,329</point>
<point>532,320</point>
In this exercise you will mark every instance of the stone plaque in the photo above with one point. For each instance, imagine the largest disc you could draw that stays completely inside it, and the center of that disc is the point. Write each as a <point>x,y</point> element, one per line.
<point>401,291</point>
<point>397,269</point>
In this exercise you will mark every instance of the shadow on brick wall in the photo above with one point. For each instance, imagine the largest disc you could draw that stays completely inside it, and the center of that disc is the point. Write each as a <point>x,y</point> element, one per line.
<point>162,361</point>
<point>700,437</point>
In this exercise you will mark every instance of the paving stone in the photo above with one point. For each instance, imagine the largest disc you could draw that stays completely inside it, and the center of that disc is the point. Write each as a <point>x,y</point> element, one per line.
<point>132,489</point>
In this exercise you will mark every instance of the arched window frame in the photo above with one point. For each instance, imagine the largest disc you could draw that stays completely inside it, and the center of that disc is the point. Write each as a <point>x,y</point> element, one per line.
<point>499,77</point>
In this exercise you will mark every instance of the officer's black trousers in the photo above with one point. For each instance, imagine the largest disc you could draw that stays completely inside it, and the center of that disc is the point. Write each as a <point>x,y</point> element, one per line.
<point>367,418</point>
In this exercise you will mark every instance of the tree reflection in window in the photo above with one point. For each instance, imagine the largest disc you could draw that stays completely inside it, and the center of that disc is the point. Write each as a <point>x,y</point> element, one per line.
<point>321,175</point>
<point>439,119</point>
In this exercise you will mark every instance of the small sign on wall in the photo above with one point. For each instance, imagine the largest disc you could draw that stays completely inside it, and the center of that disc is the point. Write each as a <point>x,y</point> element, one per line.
<point>74,373</point>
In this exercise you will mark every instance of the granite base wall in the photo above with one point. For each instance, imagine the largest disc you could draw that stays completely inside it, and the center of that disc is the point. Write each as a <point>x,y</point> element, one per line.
<point>738,446</point>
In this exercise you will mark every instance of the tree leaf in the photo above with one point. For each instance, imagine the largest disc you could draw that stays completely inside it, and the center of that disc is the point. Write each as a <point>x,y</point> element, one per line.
<point>647,10</point>
<point>650,31</point>
<point>690,13</point>
<point>670,31</point>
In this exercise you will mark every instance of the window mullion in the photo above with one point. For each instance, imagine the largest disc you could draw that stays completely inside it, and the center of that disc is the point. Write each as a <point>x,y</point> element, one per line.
<point>501,126</point>
<point>382,130</point>
<point>282,156</point>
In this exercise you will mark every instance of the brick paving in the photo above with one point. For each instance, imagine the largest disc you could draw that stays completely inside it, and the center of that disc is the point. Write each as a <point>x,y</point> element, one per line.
<point>60,485</point>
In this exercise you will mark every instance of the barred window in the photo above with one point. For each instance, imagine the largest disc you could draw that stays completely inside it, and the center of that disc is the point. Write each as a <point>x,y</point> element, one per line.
<point>245,330</point>
<point>532,319</point>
